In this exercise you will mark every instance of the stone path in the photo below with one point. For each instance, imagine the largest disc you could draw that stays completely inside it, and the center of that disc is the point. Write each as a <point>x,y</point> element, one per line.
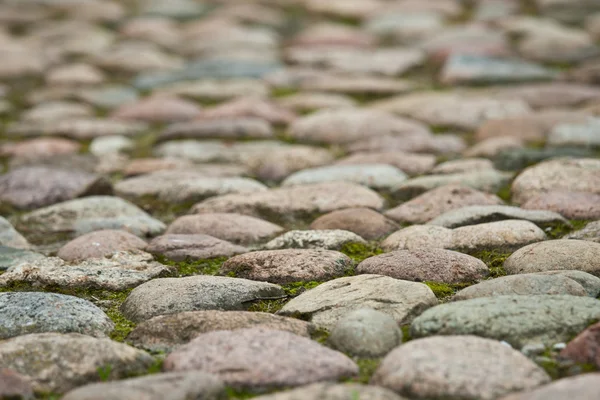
<point>299,199</point>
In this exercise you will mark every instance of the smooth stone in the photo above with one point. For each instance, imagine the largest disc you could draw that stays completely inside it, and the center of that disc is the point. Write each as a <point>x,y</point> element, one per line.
<point>557,44</point>
<point>294,202</point>
<point>14,385</point>
<point>122,271</point>
<point>99,244</point>
<point>415,142</point>
<point>333,391</point>
<point>39,148</point>
<point>216,90</point>
<point>585,134</point>
<point>457,367</point>
<point>409,163</point>
<point>471,215</point>
<point>312,101</point>
<point>571,205</point>
<point>77,74</point>
<point>173,385</point>
<point>365,333</point>
<point>81,357</point>
<point>156,109</point>
<point>550,95</point>
<point>108,145</point>
<point>523,284</point>
<point>436,202</point>
<point>109,97</point>
<point>81,216</point>
<point>552,255</point>
<point>222,128</point>
<point>591,232</point>
<point>22,313</point>
<point>251,107</point>
<point>589,282</point>
<point>583,387</point>
<point>173,295</point>
<point>9,237</point>
<point>55,110</point>
<point>491,147</point>
<point>141,166</point>
<point>178,247</point>
<point>288,265</point>
<point>518,320</point>
<point>584,348</point>
<point>375,176</point>
<point>327,303</point>
<point>462,165</point>
<point>418,237</point>
<point>35,187</point>
<point>567,11</point>
<point>477,69</point>
<point>10,256</point>
<point>235,228</point>
<point>167,332</point>
<point>435,265</point>
<point>365,85</point>
<point>487,180</point>
<point>364,222</point>
<point>574,175</point>
<point>521,158</point>
<point>78,129</point>
<point>329,239</point>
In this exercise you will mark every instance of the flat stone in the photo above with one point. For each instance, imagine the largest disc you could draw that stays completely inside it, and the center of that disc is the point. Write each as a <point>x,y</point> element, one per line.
<point>329,239</point>
<point>173,295</point>
<point>54,110</point>
<point>10,256</point>
<point>261,358</point>
<point>122,271</point>
<point>466,111</point>
<point>365,333</point>
<point>333,391</point>
<point>571,205</point>
<point>585,348</point>
<point>576,135</point>
<point>289,265</point>
<point>92,213</point>
<point>493,146</point>
<point>410,164</point>
<point>555,43</point>
<point>180,247</point>
<point>108,97</point>
<point>550,95</point>
<point>478,69</point>
<point>157,109</point>
<point>471,215</point>
<point>312,101</point>
<point>294,202</point>
<point>100,244</point>
<point>39,148</point>
<point>435,265</point>
<point>107,146</point>
<point>224,128</point>
<point>365,222</point>
<point>522,284</point>
<point>591,232</point>
<point>34,187</point>
<point>457,367</point>
<point>81,356</point>
<point>578,387</point>
<point>174,385</point>
<point>38,312</point>
<point>216,89</point>
<point>552,255</point>
<point>327,303</point>
<point>14,385</point>
<point>375,176</point>
<point>518,320</point>
<point>78,129</point>
<point>462,165</point>
<point>589,282</point>
<point>519,159</point>
<point>509,235</point>
<point>9,236</point>
<point>236,228</point>
<point>180,186</point>
<point>436,202</point>
<point>77,74</point>
<point>251,107</point>
<point>348,125</point>
<point>567,11</point>
<point>487,180</point>
<point>415,142</point>
<point>574,175</point>
<point>167,332</point>
<point>417,237</point>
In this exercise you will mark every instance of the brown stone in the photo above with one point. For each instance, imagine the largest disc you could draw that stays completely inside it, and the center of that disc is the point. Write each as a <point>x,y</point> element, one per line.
<point>40,147</point>
<point>365,222</point>
<point>571,205</point>
<point>14,386</point>
<point>158,109</point>
<point>411,164</point>
<point>100,244</point>
<point>583,387</point>
<point>194,247</point>
<point>250,107</point>
<point>585,348</point>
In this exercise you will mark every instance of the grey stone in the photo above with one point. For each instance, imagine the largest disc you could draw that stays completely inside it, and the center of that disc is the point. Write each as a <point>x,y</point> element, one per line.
<point>110,145</point>
<point>172,295</point>
<point>261,358</point>
<point>173,385</point>
<point>193,247</point>
<point>122,271</point>
<point>472,215</point>
<point>435,265</point>
<point>14,386</point>
<point>10,257</point>
<point>578,135</point>
<point>562,254</point>
<point>583,387</point>
<point>38,312</point>
<point>166,332</point>
<point>520,158</point>
<point>100,244</point>
<point>236,228</point>
<point>571,205</point>
<point>591,232</point>
<point>294,202</point>
<point>518,320</point>
<point>158,108</point>
<point>9,236</point>
<point>418,237</point>
<point>457,367</point>
<point>365,333</point>
<point>523,284</point>
<point>590,283</point>
<point>57,363</point>
<point>409,163</point>
<point>502,235</point>
<point>331,239</point>
<point>333,391</point>
<point>222,128</point>
<point>365,222</point>
<point>80,216</point>
<point>328,302</point>
<point>462,165</point>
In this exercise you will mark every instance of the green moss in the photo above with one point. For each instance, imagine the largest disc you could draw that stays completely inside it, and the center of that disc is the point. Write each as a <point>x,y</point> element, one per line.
<point>165,211</point>
<point>208,266</point>
<point>504,193</point>
<point>297,288</point>
<point>445,290</point>
<point>239,394</point>
<point>359,251</point>
<point>367,367</point>
<point>560,230</point>
<point>494,260</point>
<point>268,306</point>
<point>283,91</point>
<point>406,336</point>
<point>319,335</point>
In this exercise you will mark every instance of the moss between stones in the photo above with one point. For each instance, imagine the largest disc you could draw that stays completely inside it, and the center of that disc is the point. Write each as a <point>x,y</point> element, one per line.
<point>209,266</point>
<point>494,260</point>
<point>560,230</point>
<point>445,290</point>
<point>504,193</point>
<point>359,251</point>
<point>291,290</point>
<point>165,211</point>
<point>367,367</point>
